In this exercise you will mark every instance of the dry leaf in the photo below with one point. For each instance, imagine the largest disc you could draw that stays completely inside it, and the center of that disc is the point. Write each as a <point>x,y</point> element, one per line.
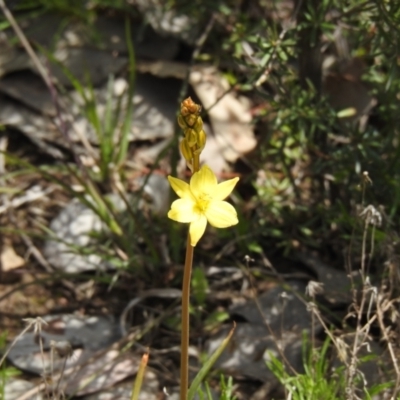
<point>10,259</point>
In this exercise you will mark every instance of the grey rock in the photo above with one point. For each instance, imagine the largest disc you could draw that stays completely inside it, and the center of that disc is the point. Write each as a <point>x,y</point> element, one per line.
<point>95,51</point>
<point>275,327</point>
<point>147,42</point>
<point>154,108</point>
<point>12,58</point>
<point>77,225</point>
<point>39,129</point>
<point>168,21</point>
<point>73,228</point>
<point>281,307</point>
<point>250,349</point>
<point>86,62</point>
<point>155,105</point>
<point>29,89</point>
<point>15,388</point>
<point>150,390</point>
<point>336,283</point>
<point>153,117</point>
<point>85,334</point>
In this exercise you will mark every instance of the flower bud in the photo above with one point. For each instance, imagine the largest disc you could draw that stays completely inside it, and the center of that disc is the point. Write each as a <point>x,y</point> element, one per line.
<point>191,120</point>
<point>181,122</point>
<point>184,110</point>
<point>201,140</point>
<point>191,137</point>
<point>188,106</point>
<point>198,125</point>
<point>195,138</point>
<point>186,150</point>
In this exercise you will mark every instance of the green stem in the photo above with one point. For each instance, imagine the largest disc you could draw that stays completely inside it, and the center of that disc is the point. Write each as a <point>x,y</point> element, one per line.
<point>185,319</point>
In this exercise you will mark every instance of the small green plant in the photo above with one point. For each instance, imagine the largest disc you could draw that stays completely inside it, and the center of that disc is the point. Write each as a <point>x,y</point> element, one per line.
<point>226,388</point>
<point>314,383</point>
<point>112,126</point>
<point>319,380</point>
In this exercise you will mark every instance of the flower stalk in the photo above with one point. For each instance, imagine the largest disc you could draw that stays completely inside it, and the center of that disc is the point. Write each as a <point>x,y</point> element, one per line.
<point>190,147</point>
<point>185,320</point>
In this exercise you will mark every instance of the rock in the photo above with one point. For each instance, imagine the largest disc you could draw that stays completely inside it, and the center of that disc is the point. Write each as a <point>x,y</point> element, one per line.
<point>281,307</point>
<point>79,333</point>
<point>96,51</point>
<point>155,103</point>
<point>15,388</point>
<point>73,247</point>
<point>250,349</point>
<point>253,342</point>
<point>149,390</point>
<point>37,128</point>
<point>336,283</point>
<point>29,89</point>
<point>168,22</point>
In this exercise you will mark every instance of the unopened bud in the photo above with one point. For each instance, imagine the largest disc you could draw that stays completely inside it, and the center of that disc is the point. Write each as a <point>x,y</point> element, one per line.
<point>191,137</point>
<point>181,122</point>
<point>201,140</point>
<point>184,110</point>
<point>186,150</point>
<point>198,125</point>
<point>191,120</point>
<point>188,106</point>
<point>195,137</point>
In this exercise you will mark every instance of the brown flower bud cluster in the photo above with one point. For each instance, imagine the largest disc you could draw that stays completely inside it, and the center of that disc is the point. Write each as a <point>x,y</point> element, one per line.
<point>195,138</point>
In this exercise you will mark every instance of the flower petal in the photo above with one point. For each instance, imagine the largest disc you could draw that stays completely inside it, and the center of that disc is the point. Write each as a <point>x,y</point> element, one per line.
<point>224,189</point>
<point>182,210</point>
<point>197,229</point>
<point>221,214</point>
<point>180,187</point>
<point>203,181</point>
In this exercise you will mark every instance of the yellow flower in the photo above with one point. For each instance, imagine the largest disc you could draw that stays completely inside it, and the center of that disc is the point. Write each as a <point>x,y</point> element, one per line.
<point>201,201</point>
